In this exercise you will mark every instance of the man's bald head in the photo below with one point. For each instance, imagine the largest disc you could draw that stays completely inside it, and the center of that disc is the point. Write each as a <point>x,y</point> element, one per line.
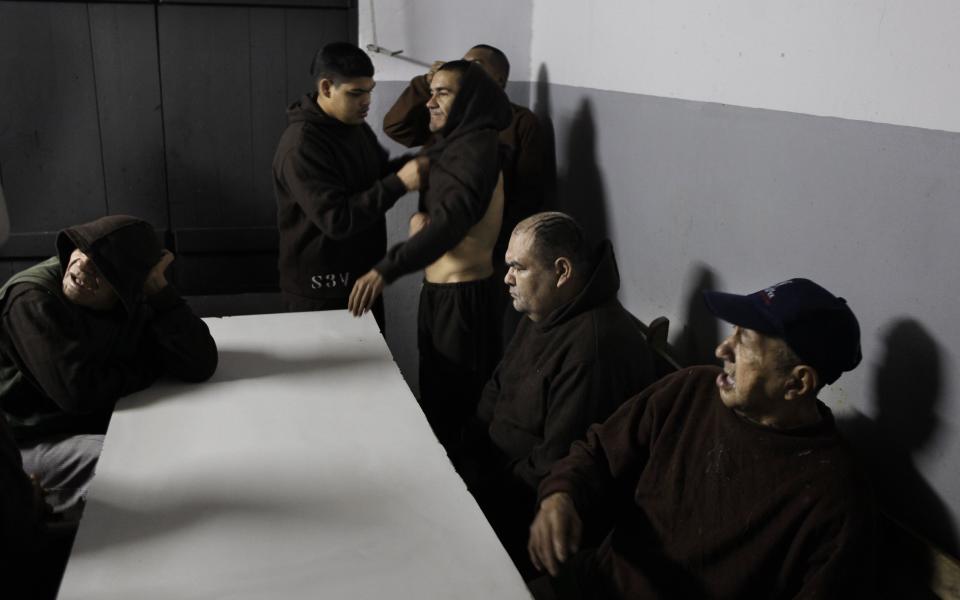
<point>492,60</point>
<point>555,234</point>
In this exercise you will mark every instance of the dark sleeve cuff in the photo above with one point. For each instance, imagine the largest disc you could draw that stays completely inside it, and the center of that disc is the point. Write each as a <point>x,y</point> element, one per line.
<point>553,485</point>
<point>388,269</point>
<point>393,185</point>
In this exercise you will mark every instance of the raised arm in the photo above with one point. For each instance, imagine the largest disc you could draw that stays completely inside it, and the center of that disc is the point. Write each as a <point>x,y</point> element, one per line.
<point>184,345</point>
<point>408,120</point>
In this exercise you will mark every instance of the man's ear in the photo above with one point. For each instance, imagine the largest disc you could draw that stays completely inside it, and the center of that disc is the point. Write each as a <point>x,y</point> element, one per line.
<point>564,270</point>
<point>803,381</point>
<point>324,86</point>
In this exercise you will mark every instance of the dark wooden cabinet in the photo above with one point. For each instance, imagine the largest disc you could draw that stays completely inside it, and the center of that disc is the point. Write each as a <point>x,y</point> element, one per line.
<point>166,110</point>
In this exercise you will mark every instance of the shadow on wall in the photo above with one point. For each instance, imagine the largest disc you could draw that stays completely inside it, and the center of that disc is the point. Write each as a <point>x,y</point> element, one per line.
<point>907,388</point>
<point>543,108</point>
<point>580,186</point>
<point>700,335</point>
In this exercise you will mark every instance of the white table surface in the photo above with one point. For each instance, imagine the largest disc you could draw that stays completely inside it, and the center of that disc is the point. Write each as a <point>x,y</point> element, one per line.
<point>303,469</point>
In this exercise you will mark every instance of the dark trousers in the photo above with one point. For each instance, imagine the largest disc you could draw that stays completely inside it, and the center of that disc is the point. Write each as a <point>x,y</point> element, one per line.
<point>578,580</point>
<point>509,506</point>
<point>458,336</point>
<point>295,303</point>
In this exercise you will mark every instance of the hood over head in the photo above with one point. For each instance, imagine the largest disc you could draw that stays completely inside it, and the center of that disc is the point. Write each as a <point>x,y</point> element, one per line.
<point>603,283</point>
<point>124,248</point>
<point>480,104</point>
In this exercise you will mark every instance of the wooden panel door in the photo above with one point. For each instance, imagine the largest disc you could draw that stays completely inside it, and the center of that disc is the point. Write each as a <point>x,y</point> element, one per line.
<point>228,74</point>
<point>80,136</point>
<point>164,110</point>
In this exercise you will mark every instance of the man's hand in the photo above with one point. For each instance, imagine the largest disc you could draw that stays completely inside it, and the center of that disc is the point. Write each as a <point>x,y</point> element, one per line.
<point>433,70</point>
<point>364,292</point>
<point>412,172</point>
<point>555,533</point>
<point>156,280</point>
<point>418,221</point>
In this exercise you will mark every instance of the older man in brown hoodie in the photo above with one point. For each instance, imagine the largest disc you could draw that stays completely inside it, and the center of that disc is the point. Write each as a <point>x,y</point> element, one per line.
<point>731,483</point>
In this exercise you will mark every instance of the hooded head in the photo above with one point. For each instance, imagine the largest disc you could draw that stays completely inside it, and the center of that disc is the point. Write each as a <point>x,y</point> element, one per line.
<point>122,251</point>
<point>463,98</point>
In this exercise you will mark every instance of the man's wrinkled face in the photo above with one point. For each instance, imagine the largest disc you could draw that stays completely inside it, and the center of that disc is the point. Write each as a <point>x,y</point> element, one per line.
<point>83,284</point>
<point>754,372</point>
<point>347,101</point>
<point>532,284</point>
<point>443,90</point>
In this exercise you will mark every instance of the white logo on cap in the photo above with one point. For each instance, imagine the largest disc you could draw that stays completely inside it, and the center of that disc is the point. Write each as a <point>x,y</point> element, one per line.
<point>771,291</point>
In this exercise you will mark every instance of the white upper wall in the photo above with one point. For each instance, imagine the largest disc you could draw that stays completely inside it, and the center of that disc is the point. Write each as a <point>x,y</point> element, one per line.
<point>429,30</point>
<point>886,61</point>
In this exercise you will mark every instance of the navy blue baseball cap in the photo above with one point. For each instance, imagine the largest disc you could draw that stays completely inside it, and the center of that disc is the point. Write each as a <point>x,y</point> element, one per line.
<point>818,326</point>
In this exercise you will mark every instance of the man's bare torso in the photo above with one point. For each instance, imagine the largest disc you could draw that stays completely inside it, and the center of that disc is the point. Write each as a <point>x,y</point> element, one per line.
<point>472,258</point>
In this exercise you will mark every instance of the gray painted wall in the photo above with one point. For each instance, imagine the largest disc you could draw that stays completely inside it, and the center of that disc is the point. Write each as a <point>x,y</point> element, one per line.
<point>699,195</point>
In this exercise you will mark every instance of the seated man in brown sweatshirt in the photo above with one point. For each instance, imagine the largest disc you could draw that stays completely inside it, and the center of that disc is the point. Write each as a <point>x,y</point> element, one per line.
<point>576,356</point>
<point>94,323</point>
<point>461,208</point>
<point>334,183</point>
<point>729,483</point>
<point>528,172</point>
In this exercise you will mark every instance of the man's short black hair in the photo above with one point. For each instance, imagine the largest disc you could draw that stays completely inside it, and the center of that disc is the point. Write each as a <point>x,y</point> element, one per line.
<point>459,67</point>
<point>557,234</point>
<point>340,60</point>
<point>497,58</point>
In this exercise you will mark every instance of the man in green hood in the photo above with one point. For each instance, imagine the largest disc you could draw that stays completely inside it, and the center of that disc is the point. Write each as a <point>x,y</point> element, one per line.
<point>82,329</point>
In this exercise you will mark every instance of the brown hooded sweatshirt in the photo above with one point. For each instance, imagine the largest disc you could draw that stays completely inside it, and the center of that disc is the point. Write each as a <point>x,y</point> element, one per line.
<point>707,504</point>
<point>559,376</point>
<point>528,173</point>
<point>333,184</point>
<point>465,164</point>
<point>63,366</point>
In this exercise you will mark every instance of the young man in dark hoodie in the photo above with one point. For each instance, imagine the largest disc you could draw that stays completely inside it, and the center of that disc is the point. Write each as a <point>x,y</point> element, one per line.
<point>576,356</point>
<point>461,212</point>
<point>334,183</point>
<point>729,483</point>
<point>529,173</point>
<point>82,329</point>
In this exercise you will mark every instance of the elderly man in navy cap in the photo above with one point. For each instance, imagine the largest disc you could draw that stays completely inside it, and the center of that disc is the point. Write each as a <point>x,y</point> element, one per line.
<point>722,483</point>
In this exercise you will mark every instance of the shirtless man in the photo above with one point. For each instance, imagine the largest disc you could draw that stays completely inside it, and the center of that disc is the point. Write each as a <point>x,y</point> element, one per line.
<point>452,239</point>
<point>528,175</point>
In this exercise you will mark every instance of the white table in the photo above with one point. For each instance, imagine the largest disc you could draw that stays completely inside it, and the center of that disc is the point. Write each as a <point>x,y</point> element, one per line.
<point>303,469</point>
